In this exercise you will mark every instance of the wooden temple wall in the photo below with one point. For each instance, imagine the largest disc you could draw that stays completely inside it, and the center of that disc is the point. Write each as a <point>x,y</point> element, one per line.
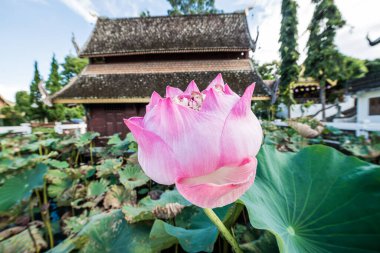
<point>107,119</point>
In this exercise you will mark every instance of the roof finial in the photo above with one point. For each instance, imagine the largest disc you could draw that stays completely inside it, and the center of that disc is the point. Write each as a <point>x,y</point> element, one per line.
<point>373,42</point>
<point>45,97</point>
<point>75,44</point>
<point>247,10</point>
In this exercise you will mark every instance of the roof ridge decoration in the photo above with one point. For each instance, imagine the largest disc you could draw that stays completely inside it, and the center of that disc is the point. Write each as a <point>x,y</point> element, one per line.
<point>176,16</point>
<point>169,34</point>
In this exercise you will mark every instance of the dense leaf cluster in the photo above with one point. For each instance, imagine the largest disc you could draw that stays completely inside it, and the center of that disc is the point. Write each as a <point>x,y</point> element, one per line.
<point>61,192</point>
<point>289,69</point>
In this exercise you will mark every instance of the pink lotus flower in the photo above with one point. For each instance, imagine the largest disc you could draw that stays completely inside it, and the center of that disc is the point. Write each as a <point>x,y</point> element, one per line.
<point>204,142</point>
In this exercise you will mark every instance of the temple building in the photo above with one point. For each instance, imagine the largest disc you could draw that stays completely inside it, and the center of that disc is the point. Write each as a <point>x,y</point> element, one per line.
<point>129,58</point>
<point>3,103</point>
<point>367,93</point>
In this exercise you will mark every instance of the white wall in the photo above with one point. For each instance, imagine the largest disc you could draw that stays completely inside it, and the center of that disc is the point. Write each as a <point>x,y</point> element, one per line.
<point>363,106</point>
<point>296,110</point>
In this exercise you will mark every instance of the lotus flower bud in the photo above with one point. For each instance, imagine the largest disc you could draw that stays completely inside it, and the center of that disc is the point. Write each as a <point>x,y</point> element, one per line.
<point>203,142</point>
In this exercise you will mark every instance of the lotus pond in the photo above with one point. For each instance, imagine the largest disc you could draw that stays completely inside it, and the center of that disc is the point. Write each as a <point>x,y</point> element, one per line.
<point>63,194</point>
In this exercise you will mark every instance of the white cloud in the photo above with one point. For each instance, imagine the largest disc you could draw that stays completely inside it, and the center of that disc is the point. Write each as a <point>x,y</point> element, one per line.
<point>84,8</point>
<point>89,9</point>
<point>8,91</point>
<point>361,17</point>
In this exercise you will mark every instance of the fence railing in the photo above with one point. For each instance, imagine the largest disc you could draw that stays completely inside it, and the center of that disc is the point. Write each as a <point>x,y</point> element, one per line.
<point>361,129</point>
<point>79,128</point>
<point>59,128</point>
<point>24,128</point>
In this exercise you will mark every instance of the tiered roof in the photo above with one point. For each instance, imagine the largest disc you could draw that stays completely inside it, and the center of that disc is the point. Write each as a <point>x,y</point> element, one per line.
<point>132,79</point>
<point>135,82</point>
<point>369,82</point>
<point>166,34</point>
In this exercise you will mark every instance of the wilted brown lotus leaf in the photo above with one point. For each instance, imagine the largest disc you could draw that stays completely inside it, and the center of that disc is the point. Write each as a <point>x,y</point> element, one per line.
<point>168,211</point>
<point>305,130</point>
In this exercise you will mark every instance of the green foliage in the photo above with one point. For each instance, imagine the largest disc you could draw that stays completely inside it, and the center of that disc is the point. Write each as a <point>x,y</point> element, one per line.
<point>23,106</point>
<point>132,176</point>
<point>317,200</point>
<point>12,117</point>
<point>289,69</point>
<point>193,230</point>
<point>53,83</point>
<point>187,7</point>
<point>373,66</point>
<point>29,240</point>
<point>363,148</point>
<point>20,187</point>
<point>144,14</point>
<point>38,109</point>
<point>352,68</point>
<point>147,207</point>
<point>322,54</point>
<point>109,232</point>
<point>268,71</point>
<point>20,113</point>
<point>109,166</point>
<point>97,188</point>
<point>109,205</point>
<point>71,67</point>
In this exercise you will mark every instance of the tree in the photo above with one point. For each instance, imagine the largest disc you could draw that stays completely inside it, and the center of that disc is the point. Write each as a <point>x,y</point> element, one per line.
<point>35,95</point>
<point>268,71</point>
<point>71,67</point>
<point>188,7</point>
<point>322,54</point>
<point>144,14</point>
<point>373,66</point>
<point>23,104</point>
<point>352,68</point>
<point>53,83</point>
<point>12,117</point>
<point>289,69</point>
<point>37,110</point>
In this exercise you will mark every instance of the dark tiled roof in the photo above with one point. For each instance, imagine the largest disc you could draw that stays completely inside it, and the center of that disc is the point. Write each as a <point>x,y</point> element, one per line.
<point>167,66</point>
<point>110,83</point>
<point>369,82</point>
<point>191,33</point>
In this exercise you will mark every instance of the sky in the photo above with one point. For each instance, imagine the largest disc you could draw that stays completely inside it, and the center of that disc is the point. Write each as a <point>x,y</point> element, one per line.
<point>34,30</point>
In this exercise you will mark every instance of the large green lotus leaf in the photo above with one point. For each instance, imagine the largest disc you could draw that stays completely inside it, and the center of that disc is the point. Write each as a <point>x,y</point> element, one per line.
<point>108,166</point>
<point>144,209</point>
<point>20,187</point>
<point>132,176</point>
<point>109,232</point>
<point>59,182</point>
<point>316,200</point>
<point>96,188</point>
<point>57,164</point>
<point>85,139</point>
<point>193,230</point>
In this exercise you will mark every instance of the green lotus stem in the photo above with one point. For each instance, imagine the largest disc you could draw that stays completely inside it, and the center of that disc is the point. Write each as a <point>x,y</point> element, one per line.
<point>47,218</point>
<point>31,209</point>
<point>77,158</point>
<point>40,150</point>
<point>92,159</point>
<point>40,206</point>
<point>223,230</point>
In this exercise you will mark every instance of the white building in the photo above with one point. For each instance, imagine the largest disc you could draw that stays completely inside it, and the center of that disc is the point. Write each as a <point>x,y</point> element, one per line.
<point>367,92</point>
